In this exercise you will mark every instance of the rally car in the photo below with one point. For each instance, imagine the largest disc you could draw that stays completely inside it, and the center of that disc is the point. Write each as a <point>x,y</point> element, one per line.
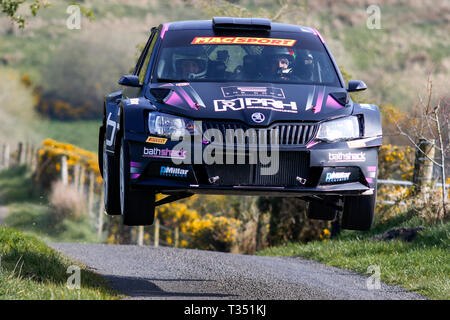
<point>239,106</point>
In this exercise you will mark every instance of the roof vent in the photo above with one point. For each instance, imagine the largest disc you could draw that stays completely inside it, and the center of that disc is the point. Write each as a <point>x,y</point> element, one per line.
<point>254,24</point>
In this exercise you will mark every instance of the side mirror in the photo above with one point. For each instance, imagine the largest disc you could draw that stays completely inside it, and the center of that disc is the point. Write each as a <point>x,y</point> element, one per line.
<point>130,81</point>
<point>356,85</point>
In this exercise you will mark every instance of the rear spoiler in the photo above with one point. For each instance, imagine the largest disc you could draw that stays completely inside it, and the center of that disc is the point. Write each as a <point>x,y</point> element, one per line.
<point>253,24</point>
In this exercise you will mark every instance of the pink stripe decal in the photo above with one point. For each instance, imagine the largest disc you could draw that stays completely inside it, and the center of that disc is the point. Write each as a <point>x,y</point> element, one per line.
<point>135,175</point>
<point>174,99</point>
<point>332,103</point>
<point>319,101</point>
<point>188,99</point>
<point>164,29</point>
<point>312,144</point>
<point>135,164</point>
<point>372,169</point>
<point>369,180</point>
<point>318,34</point>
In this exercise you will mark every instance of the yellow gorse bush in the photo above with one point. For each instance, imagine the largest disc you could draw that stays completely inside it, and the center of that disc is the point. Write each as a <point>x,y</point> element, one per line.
<point>213,233</point>
<point>395,162</point>
<point>206,232</point>
<point>49,161</point>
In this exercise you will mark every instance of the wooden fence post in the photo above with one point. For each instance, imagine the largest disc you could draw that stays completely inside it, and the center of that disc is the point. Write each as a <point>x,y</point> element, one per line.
<point>91,192</point>
<point>28,154</point>
<point>100,217</point>
<point>6,155</point>
<point>177,236</point>
<point>82,180</point>
<point>34,158</point>
<point>140,240</point>
<point>76,175</point>
<point>423,166</point>
<point>20,153</point>
<point>64,170</point>
<point>156,233</point>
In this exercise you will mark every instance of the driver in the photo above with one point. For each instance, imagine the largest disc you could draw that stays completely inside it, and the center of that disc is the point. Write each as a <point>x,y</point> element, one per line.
<point>283,67</point>
<point>281,62</point>
<point>190,63</point>
<point>189,67</point>
<point>305,67</point>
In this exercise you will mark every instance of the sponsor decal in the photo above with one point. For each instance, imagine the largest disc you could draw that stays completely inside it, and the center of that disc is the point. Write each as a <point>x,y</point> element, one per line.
<point>156,140</point>
<point>173,172</point>
<point>114,125</point>
<point>244,40</point>
<point>337,176</point>
<point>253,92</point>
<point>164,153</point>
<point>356,144</point>
<point>258,117</point>
<point>134,101</point>
<point>347,157</point>
<point>359,143</point>
<point>254,103</point>
<point>367,106</point>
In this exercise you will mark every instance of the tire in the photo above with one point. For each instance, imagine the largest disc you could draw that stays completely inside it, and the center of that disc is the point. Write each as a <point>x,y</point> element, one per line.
<point>137,206</point>
<point>110,169</point>
<point>321,211</point>
<point>359,212</point>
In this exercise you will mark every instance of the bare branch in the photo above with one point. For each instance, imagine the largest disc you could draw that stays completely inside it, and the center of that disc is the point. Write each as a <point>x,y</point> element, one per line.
<point>416,146</point>
<point>280,12</point>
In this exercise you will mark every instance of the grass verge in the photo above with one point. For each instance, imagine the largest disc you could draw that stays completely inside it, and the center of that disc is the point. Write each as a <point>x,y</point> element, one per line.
<point>31,214</point>
<point>29,269</point>
<point>422,266</point>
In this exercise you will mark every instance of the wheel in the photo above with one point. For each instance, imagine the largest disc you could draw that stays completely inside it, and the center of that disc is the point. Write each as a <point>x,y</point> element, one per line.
<point>358,212</point>
<point>110,169</point>
<point>137,206</point>
<point>322,211</point>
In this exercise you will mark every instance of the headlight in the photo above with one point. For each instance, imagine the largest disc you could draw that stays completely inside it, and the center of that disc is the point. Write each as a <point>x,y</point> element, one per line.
<point>168,125</point>
<point>340,129</point>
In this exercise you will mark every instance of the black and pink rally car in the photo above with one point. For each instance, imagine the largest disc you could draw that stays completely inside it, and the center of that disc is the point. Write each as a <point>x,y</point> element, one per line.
<point>239,106</point>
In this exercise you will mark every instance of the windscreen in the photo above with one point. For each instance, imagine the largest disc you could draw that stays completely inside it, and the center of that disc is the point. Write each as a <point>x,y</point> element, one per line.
<point>200,55</point>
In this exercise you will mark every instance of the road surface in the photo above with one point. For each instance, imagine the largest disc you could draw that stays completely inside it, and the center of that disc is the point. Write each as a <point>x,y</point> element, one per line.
<point>171,273</point>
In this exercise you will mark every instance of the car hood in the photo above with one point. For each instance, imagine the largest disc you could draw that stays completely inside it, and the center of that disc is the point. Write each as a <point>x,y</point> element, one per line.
<point>257,104</point>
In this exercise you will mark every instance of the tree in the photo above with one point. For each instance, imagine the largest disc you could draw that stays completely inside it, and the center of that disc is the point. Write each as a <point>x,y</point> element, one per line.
<point>10,8</point>
<point>427,126</point>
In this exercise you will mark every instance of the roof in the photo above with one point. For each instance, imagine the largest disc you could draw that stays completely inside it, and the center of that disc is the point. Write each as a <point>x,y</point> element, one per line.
<point>208,25</point>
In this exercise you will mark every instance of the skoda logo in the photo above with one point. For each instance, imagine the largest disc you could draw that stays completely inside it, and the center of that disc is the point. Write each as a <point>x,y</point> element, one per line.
<point>258,117</point>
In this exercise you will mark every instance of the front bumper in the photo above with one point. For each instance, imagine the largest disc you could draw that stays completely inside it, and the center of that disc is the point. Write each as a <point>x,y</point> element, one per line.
<point>342,168</point>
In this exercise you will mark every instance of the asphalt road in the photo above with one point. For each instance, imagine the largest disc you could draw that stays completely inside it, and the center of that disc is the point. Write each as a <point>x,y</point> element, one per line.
<point>170,273</point>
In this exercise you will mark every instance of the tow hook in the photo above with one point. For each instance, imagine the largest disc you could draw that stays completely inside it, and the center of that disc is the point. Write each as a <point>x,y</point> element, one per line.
<point>213,180</point>
<point>301,180</point>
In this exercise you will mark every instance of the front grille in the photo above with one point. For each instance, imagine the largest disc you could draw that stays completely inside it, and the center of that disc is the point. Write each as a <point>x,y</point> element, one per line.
<point>291,164</point>
<point>289,134</point>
